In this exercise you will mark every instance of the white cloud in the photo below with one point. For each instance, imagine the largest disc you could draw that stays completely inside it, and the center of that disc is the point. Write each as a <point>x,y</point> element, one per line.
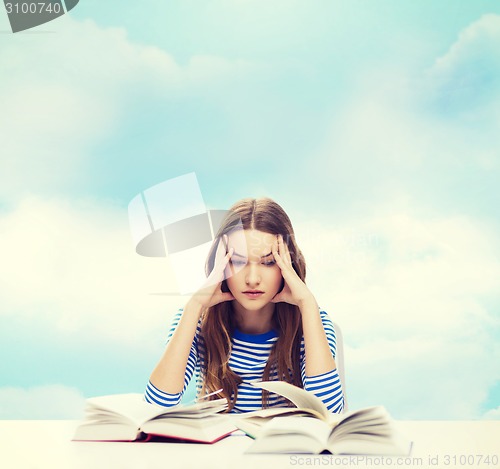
<point>65,91</point>
<point>74,266</point>
<point>419,136</point>
<point>472,55</point>
<point>41,402</point>
<point>463,83</point>
<point>492,414</point>
<point>413,296</point>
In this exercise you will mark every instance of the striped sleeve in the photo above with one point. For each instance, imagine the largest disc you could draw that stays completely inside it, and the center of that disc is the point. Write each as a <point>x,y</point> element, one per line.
<point>153,395</point>
<point>326,386</point>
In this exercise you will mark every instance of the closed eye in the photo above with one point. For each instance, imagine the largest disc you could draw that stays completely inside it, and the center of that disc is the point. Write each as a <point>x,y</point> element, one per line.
<point>237,262</point>
<point>271,262</point>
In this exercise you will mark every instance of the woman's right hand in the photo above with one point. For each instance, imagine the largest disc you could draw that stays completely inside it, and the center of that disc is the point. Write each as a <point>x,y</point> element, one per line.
<point>211,292</point>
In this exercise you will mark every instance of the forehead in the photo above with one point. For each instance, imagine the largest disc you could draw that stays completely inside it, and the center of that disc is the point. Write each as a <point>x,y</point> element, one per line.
<point>251,242</point>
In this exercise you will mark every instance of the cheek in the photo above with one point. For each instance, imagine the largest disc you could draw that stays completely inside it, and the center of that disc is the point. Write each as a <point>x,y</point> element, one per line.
<point>274,278</point>
<point>229,281</point>
<point>233,279</point>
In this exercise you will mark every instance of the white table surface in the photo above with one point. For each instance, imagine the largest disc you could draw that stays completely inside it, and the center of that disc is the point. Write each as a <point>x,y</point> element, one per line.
<point>47,444</point>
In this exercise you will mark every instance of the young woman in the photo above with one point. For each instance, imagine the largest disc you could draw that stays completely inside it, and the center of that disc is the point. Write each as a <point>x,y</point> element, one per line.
<point>253,320</point>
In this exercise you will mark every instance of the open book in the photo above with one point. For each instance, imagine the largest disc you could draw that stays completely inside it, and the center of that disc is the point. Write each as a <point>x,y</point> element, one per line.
<point>127,417</point>
<point>312,428</point>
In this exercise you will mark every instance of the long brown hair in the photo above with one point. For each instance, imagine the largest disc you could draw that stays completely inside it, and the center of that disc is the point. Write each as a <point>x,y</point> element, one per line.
<point>265,215</point>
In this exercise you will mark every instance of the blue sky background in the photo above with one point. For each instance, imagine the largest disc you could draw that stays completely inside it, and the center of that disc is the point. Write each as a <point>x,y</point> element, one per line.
<point>374,124</point>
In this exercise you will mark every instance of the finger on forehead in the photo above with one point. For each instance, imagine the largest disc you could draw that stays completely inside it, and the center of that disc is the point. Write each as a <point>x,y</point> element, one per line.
<point>276,240</point>
<point>221,249</point>
<point>237,240</point>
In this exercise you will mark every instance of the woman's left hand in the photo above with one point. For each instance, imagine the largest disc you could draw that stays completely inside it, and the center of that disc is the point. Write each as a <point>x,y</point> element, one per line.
<point>295,290</point>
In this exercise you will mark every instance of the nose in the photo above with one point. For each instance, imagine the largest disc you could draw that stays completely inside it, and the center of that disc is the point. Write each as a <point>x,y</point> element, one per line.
<point>252,275</point>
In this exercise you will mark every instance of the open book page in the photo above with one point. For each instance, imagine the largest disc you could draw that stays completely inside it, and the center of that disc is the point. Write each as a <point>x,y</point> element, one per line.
<point>366,416</point>
<point>300,397</point>
<point>132,408</point>
<point>264,415</point>
<point>388,442</point>
<point>197,410</point>
<point>252,422</point>
<point>369,421</point>
<point>364,431</point>
<point>292,435</point>
<point>298,425</point>
<point>310,435</point>
<point>208,429</point>
<point>127,417</point>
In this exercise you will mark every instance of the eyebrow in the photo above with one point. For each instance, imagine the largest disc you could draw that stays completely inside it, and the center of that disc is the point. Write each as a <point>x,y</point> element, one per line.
<point>244,257</point>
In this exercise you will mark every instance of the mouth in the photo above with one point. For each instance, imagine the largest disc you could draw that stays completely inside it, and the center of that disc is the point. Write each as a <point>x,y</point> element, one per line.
<point>253,293</point>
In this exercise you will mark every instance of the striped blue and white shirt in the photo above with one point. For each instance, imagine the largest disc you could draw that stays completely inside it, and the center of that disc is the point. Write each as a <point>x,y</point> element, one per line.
<point>249,355</point>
